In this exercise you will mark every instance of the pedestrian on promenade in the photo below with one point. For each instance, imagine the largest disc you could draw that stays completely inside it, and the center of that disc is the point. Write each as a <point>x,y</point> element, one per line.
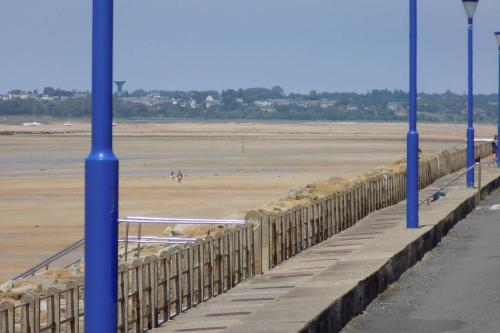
<point>494,149</point>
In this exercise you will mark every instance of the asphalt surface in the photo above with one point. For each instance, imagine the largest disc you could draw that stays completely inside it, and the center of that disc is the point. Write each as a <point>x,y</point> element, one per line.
<point>455,288</point>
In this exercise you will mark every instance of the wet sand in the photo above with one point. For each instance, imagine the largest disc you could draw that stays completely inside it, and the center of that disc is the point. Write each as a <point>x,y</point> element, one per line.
<point>228,167</point>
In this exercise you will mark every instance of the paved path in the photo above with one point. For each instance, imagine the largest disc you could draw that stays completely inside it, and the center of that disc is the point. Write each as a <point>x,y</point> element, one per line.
<point>455,288</point>
<point>293,294</point>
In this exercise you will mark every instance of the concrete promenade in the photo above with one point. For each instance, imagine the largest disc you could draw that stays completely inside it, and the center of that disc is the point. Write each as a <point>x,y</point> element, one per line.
<point>322,288</point>
<point>453,289</point>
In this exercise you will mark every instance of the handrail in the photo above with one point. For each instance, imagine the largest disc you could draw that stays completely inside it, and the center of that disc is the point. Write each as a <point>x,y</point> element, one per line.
<point>141,239</point>
<point>48,261</point>
<point>429,198</point>
<point>140,220</point>
<point>158,240</point>
<point>154,241</point>
<point>172,220</point>
<point>175,239</point>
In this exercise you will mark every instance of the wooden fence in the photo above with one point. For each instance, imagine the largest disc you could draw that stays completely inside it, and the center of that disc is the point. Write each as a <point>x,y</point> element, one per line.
<point>153,290</point>
<point>284,234</point>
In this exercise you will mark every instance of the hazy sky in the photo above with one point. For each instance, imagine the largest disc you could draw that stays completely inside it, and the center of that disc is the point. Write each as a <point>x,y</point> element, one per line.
<point>350,45</point>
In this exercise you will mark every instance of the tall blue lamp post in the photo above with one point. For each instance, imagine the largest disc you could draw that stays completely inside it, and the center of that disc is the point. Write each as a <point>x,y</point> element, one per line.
<point>497,35</point>
<point>101,184</point>
<point>470,8</point>
<point>412,136</point>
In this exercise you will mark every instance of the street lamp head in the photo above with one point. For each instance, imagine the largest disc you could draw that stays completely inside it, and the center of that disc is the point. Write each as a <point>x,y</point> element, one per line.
<point>497,35</point>
<point>470,7</point>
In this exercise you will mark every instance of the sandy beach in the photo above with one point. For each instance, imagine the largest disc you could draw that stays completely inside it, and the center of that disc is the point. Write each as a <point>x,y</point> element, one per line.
<point>228,168</point>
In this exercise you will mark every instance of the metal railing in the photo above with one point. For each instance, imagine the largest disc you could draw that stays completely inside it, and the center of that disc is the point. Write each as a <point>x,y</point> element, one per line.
<point>46,263</point>
<point>433,197</point>
<point>151,291</point>
<point>140,239</point>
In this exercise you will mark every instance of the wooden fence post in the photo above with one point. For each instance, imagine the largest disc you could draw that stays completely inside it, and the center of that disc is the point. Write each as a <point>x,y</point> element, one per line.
<point>123,295</point>
<point>7,323</point>
<point>28,314</point>
<point>53,310</point>
<point>149,281</point>
<point>260,224</point>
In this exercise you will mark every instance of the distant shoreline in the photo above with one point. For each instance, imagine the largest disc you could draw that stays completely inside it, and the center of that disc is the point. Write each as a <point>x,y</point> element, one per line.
<point>18,120</point>
<point>54,127</point>
<point>51,126</point>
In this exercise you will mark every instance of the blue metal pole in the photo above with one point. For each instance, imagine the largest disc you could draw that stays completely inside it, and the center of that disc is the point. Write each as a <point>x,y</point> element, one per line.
<point>101,184</point>
<point>470,109</point>
<point>498,103</point>
<point>412,136</point>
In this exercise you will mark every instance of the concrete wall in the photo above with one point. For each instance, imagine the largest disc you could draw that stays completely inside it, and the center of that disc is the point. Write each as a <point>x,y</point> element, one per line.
<point>353,303</point>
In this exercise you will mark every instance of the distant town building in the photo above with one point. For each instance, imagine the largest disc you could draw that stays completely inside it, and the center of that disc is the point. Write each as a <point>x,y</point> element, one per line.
<point>263,104</point>
<point>394,106</point>
<point>20,95</point>
<point>210,101</point>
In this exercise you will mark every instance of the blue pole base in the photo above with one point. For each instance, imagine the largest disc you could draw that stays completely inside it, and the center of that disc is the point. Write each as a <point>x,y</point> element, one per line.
<point>101,242</point>
<point>412,180</point>
<point>470,156</point>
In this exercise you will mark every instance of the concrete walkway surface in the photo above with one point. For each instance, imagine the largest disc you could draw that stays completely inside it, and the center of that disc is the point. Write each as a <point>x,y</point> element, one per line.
<point>455,288</point>
<point>322,288</point>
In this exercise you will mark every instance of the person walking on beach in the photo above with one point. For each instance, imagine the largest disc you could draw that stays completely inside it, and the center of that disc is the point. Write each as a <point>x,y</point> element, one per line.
<point>179,177</point>
<point>172,175</point>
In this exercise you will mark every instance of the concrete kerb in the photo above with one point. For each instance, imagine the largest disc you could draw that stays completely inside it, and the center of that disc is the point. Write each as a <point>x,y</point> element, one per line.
<point>352,303</point>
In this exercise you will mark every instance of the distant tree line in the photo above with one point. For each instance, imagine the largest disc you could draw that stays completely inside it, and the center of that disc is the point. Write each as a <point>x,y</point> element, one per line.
<point>374,105</point>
